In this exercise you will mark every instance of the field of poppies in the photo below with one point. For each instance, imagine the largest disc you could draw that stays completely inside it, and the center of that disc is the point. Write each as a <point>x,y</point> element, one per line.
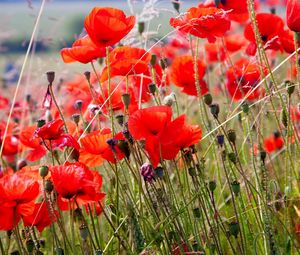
<point>186,143</point>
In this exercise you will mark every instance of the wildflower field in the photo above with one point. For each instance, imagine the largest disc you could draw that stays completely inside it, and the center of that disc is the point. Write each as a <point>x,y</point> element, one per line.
<point>178,138</point>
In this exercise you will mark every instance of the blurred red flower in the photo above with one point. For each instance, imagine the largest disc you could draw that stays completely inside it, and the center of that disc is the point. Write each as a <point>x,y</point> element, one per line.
<point>83,50</point>
<point>203,22</point>
<point>273,142</point>
<point>17,195</point>
<point>293,15</point>
<point>269,34</point>
<point>182,75</point>
<point>242,78</point>
<point>106,26</point>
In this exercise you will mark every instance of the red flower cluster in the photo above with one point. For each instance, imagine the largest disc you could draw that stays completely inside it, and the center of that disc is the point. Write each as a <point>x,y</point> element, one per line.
<point>163,137</point>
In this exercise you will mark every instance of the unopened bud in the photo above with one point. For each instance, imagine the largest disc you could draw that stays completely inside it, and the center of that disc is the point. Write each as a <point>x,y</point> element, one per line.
<point>59,251</point>
<point>212,186</point>
<point>126,100</point>
<point>232,157</point>
<point>120,119</point>
<point>49,186</point>
<point>263,156</point>
<point>141,27</point>
<point>43,171</point>
<point>234,229</point>
<point>40,123</point>
<point>153,60</point>
<point>215,109</point>
<point>245,108</point>
<point>163,63</point>
<point>76,118</point>
<point>78,105</point>
<point>30,245</point>
<point>152,88</point>
<point>231,136</point>
<point>197,212</point>
<point>208,99</point>
<point>176,5</point>
<point>87,75</point>
<point>236,187</point>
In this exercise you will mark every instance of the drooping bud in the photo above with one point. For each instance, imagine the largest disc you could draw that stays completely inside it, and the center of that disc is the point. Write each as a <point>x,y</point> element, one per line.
<point>234,229</point>
<point>50,77</point>
<point>87,75</point>
<point>120,119</point>
<point>49,186</point>
<point>220,139</point>
<point>215,109</point>
<point>84,232</point>
<point>40,123</point>
<point>231,136</point>
<point>153,60</point>
<point>43,171</point>
<point>236,187</point>
<point>147,172</point>
<point>152,88</point>
<point>76,118</point>
<point>208,99</point>
<point>212,186</point>
<point>176,5</point>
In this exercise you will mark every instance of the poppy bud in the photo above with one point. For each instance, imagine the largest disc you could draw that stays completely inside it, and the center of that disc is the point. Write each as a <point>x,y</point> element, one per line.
<point>120,119</point>
<point>290,87</point>
<point>234,229</point>
<point>176,5</point>
<point>273,10</point>
<point>141,27</point>
<point>245,108</point>
<point>231,136</point>
<point>215,109</point>
<point>76,118</point>
<point>50,77</point>
<point>236,187</point>
<point>147,172</point>
<point>208,99</point>
<point>98,252</point>
<point>196,212</point>
<point>284,118</point>
<point>163,63</point>
<point>263,156</point>
<point>78,105</point>
<point>153,60</point>
<point>126,100</point>
<point>152,88</point>
<point>43,171</point>
<point>232,157</point>
<point>87,75</point>
<point>49,186</point>
<point>212,186</point>
<point>220,139</point>
<point>30,245</point>
<point>192,171</point>
<point>159,172</point>
<point>84,232</point>
<point>21,163</point>
<point>40,123</point>
<point>59,251</point>
<point>298,37</point>
<point>28,98</point>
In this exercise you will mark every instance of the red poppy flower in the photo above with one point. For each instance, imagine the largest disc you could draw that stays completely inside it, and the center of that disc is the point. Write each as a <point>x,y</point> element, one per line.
<point>293,15</point>
<point>17,195</point>
<point>242,78</point>
<point>107,26</point>
<point>269,34</point>
<point>99,146</point>
<point>51,131</point>
<point>75,182</point>
<point>11,145</point>
<point>235,42</point>
<point>273,142</point>
<point>214,52</point>
<point>83,50</point>
<point>40,217</point>
<point>28,139</point>
<point>3,102</point>
<point>126,61</point>
<point>182,75</point>
<point>163,138</point>
<point>203,22</point>
<point>287,41</point>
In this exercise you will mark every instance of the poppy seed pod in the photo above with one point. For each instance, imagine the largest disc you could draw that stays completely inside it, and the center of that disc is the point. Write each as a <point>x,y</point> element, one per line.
<point>87,75</point>
<point>231,136</point>
<point>126,100</point>
<point>76,118</point>
<point>50,77</point>
<point>120,119</point>
<point>43,171</point>
<point>141,27</point>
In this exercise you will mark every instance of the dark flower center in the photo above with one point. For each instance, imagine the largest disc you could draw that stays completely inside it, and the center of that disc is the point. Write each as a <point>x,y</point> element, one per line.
<point>264,38</point>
